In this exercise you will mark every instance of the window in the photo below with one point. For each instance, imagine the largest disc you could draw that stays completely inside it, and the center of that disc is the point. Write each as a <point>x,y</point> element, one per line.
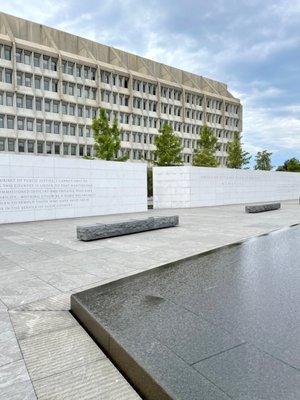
<point>30,146</point>
<point>11,144</point>
<point>40,147</point>
<point>20,123</point>
<point>29,101</point>
<point>80,130</point>
<point>48,147</point>
<point>72,130</point>
<point>10,122</point>
<point>37,60</point>
<point>64,85</point>
<point>1,121</point>
<point>79,111</point>
<point>37,82</point>
<point>38,104</point>
<point>21,146</point>
<point>30,124</point>
<point>46,84</point>
<point>54,85</point>
<point>81,150</point>
<point>56,107</point>
<point>78,70</point>
<point>71,89</point>
<point>70,68</point>
<point>7,53</point>
<point>9,99</point>
<point>66,149</point>
<point>27,57</point>
<point>46,60</point>
<point>73,149</point>
<point>57,148</point>
<point>39,125</point>
<point>56,128</point>
<point>19,55</point>
<point>1,98</point>
<point>19,78</point>
<point>48,126</point>
<point>28,79</point>
<point>64,108</point>
<point>8,75</point>
<point>71,109</point>
<point>79,90</point>
<point>65,129</point>
<point>47,105</point>
<point>53,64</point>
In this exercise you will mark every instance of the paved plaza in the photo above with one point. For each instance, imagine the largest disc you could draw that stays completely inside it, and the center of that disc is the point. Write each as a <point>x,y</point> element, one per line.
<point>46,354</point>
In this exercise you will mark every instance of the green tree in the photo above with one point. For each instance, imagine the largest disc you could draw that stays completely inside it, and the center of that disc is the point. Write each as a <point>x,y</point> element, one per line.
<point>237,157</point>
<point>204,155</point>
<point>168,147</point>
<point>263,160</point>
<point>291,165</point>
<point>107,138</point>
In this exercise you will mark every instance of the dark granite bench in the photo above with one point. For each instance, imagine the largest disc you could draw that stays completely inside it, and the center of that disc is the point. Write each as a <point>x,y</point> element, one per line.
<point>257,208</point>
<point>101,231</point>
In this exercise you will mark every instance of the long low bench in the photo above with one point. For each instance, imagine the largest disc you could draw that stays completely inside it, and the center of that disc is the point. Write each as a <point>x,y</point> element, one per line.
<point>101,231</point>
<point>257,208</point>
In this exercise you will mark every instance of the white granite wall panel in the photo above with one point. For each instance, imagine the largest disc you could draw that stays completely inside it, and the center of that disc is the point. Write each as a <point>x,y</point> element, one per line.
<point>38,188</point>
<point>180,187</point>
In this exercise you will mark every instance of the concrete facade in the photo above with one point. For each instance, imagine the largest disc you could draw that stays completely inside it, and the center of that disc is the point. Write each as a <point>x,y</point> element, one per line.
<point>34,188</point>
<point>52,84</point>
<point>181,187</point>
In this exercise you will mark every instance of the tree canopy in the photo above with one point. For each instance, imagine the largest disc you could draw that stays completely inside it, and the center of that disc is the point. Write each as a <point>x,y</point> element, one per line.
<point>204,155</point>
<point>263,160</point>
<point>107,138</point>
<point>237,157</point>
<point>291,165</point>
<point>168,147</point>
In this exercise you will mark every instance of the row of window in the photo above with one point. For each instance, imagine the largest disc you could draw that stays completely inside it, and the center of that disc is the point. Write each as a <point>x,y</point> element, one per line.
<point>41,147</point>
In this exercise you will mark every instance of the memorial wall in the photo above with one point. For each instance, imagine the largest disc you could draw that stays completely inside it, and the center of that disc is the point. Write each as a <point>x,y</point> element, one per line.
<point>40,187</point>
<point>197,186</point>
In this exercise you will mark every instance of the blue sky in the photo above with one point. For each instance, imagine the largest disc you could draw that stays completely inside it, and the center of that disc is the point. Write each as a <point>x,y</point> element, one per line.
<point>253,46</point>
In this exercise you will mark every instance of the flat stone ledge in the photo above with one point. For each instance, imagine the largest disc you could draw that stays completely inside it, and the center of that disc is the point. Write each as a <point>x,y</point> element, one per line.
<point>101,231</point>
<point>257,208</point>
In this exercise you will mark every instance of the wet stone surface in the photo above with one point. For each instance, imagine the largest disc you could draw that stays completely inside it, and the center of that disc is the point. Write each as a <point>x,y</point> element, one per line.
<point>221,325</point>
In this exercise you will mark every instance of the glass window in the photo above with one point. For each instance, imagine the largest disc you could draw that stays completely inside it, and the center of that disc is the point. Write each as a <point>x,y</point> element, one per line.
<point>48,126</point>
<point>56,106</point>
<point>64,108</point>
<point>40,147</point>
<point>7,53</point>
<point>29,101</point>
<point>86,72</point>
<point>28,79</point>
<point>78,70</point>
<point>80,130</point>
<point>46,84</point>
<point>1,121</point>
<point>38,104</point>
<point>21,146</point>
<point>47,105</point>
<point>93,74</point>
<point>54,85</point>
<point>71,109</point>
<point>65,129</point>
<point>56,128</point>
<point>1,98</point>
<point>27,57</point>
<point>53,64</point>
<point>66,149</point>
<point>79,90</point>
<point>48,147</point>
<point>19,78</point>
<point>57,148</point>
<point>19,55</point>
<point>46,60</point>
<point>37,82</point>
<point>79,111</point>
<point>9,99</point>
<point>39,125</point>
<point>8,75</point>
<point>30,146</point>
<point>72,130</point>
<point>64,85</point>
<point>29,124</point>
<point>10,122</point>
<point>73,149</point>
<point>11,144</point>
<point>71,89</point>
<point>70,68</point>
<point>20,123</point>
<point>37,60</point>
<point>81,150</point>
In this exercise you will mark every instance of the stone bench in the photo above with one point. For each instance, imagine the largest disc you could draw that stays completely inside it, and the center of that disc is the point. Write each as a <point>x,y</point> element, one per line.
<point>101,231</point>
<point>257,208</point>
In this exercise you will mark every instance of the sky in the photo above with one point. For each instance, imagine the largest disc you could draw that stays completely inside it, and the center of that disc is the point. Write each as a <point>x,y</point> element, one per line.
<point>252,45</point>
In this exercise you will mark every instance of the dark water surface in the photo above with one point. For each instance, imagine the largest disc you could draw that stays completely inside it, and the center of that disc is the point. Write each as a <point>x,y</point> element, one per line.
<point>223,325</point>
